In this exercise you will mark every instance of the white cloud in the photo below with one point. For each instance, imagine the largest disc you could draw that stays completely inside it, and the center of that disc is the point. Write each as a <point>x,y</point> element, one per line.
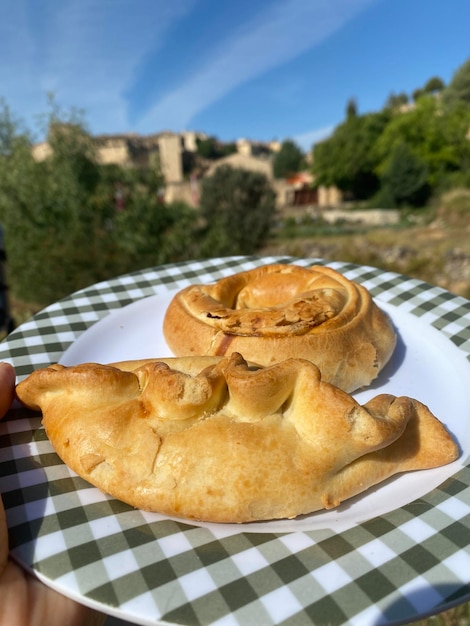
<point>307,139</point>
<point>278,35</point>
<point>86,51</point>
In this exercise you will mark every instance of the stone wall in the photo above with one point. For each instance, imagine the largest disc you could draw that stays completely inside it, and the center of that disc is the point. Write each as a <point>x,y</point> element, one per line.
<point>371,217</point>
<point>185,191</point>
<point>41,151</point>
<point>245,162</point>
<point>115,150</point>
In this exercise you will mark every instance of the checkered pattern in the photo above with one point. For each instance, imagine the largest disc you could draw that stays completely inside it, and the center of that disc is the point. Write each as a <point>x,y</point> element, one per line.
<point>146,568</point>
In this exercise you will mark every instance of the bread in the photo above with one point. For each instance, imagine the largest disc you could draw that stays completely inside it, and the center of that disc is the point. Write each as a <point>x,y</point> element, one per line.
<point>215,439</point>
<point>275,312</point>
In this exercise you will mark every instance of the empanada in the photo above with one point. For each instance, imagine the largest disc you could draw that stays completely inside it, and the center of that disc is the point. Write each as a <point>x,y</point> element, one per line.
<point>215,439</point>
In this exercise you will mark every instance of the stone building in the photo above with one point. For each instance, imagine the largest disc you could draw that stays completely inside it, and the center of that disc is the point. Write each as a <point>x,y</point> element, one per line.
<point>127,150</point>
<point>169,150</point>
<point>131,149</point>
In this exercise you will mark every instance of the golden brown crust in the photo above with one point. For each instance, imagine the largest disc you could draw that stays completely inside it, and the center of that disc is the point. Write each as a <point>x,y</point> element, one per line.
<point>275,312</point>
<point>217,440</point>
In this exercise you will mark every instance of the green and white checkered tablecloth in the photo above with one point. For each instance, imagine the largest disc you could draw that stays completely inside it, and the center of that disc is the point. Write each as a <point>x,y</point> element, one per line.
<point>149,569</point>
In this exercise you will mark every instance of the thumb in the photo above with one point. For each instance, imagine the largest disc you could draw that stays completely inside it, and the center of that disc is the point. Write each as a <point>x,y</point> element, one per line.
<point>7,387</point>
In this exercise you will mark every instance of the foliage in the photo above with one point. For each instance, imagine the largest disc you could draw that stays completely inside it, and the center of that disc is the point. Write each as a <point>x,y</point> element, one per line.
<point>458,90</point>
<point>437,139</point>
<point>404,181</point>
<point>8,129</point>
<point>357,158</point>
<point>212,148</point>
<point>228,148</point>
<point>289,160</point>
<point>434,85</point>
<point>395,101</point>
<point>351,108</point>
<point>345,160</point>
<point>70,222</point>
<point>207,148</point>
<point>238,207</point>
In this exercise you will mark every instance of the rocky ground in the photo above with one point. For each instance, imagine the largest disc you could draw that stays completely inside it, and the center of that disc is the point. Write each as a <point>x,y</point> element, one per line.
<point>435,249</point>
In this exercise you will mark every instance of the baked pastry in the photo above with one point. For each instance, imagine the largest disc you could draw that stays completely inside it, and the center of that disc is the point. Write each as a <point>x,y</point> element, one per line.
<point>275,312</point>
<point>215,439</point>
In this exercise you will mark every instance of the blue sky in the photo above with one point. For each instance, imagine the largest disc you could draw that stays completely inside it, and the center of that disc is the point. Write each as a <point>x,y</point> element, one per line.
<point>260,69</point>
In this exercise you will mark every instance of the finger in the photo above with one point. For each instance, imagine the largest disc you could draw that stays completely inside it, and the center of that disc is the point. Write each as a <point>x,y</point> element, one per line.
<point>7,387</point>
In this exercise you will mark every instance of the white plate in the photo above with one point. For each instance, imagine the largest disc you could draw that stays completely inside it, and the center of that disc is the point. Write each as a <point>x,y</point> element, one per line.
<point>409,556</point>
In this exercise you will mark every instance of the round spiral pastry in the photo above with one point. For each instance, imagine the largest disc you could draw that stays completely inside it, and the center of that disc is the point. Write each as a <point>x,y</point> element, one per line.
<point>278,311</point>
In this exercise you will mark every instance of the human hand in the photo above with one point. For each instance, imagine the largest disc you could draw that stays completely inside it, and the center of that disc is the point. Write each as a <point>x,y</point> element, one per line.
<point>24,600</point>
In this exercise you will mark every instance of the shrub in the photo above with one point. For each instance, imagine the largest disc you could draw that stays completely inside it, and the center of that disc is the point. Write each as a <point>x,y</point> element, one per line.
<point>238,209</point>
<point>64,228</point>
<point>404,180</point>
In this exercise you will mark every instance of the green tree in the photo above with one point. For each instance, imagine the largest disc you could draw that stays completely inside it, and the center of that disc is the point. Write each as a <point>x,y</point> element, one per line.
<point>9,129</point>
<point>404,181</point>
<point>228,148</point>
<point>207,148</point>
<point>238,207</point>
<point>434,85</point>
<point>149,232</point>
<point>396,101</point>
<point>351,108</point>
<point>62,227</point>
<point>211,148</point>
<point>346,160</point>
<point>289,160</point>
<point>417,94</point>
<point>458,89</point>
<point>435,136</point>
